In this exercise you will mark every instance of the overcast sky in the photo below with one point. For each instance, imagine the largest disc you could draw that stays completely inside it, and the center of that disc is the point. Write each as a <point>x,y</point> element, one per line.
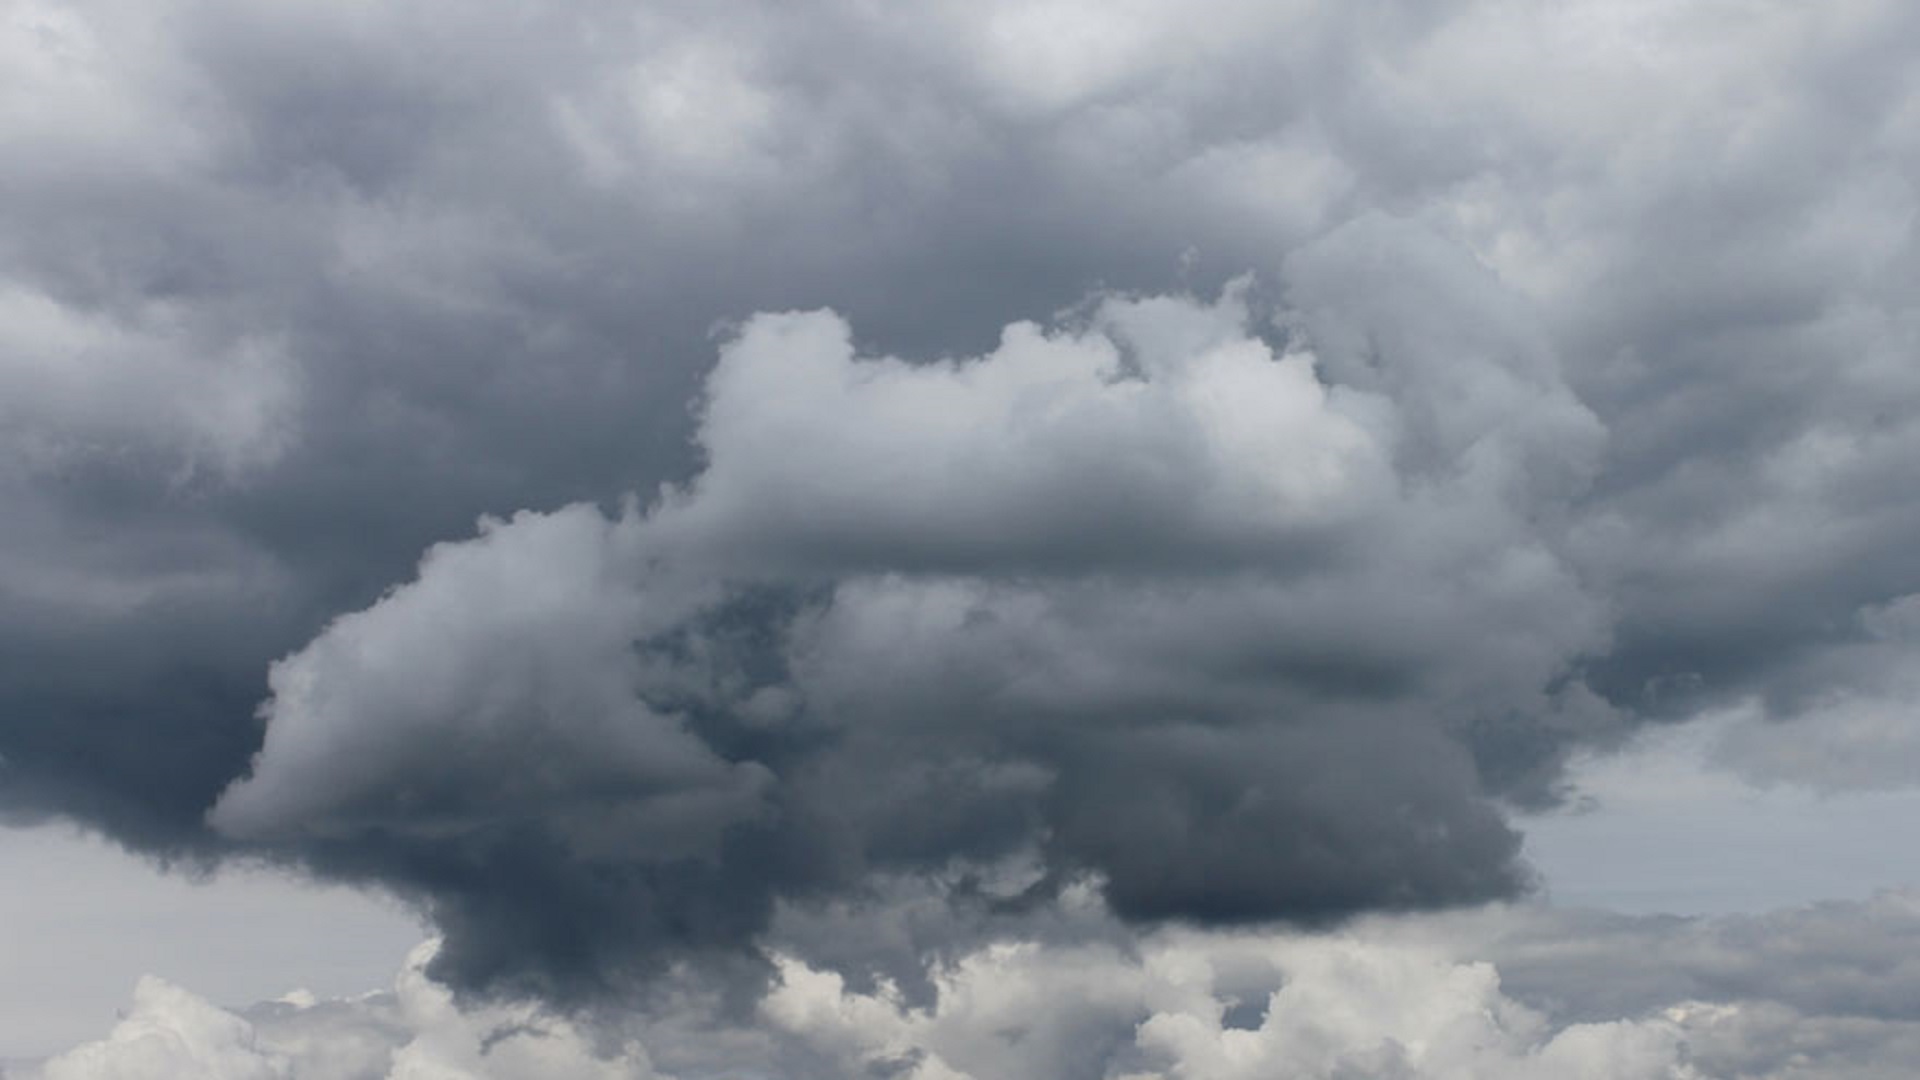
<point>1114,540</point>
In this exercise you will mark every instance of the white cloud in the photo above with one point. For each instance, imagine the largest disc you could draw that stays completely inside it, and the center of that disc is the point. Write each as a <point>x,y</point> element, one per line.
<point>1498,993</point>
<point>415,1032</point>
<point>1304,1007</point>
<point>1165,423</point>
<point>171,1033</point>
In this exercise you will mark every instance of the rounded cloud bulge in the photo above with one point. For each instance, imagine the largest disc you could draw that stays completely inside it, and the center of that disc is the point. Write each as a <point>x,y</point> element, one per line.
<point>1142,597</point>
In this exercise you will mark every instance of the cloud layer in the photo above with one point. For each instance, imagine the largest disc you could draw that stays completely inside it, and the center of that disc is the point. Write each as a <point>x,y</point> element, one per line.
<point>1496,992</point>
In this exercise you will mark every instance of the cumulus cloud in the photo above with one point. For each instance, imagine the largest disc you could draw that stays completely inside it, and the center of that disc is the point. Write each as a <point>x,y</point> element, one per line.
<point>1164,426</point>
<point>508,659</point>
<point>170,1032</point>
<point>1138,593</point>
<point>413,1032</point>
<point>1216,1009</point>
<point>1449,386</point>
<point>1499,991</point>
<point>1495,992</point>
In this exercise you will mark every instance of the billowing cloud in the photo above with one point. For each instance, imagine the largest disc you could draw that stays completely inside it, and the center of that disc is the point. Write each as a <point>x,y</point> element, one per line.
<point>1225,457</point>
<point>1499,991</point>
<point>1496,992</point>
<point>1137,594</point>
<point>170,1032</point>
<point>413,1032</point>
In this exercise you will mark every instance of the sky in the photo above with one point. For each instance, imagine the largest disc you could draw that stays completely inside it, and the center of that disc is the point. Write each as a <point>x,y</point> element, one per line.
<point>994,540</point>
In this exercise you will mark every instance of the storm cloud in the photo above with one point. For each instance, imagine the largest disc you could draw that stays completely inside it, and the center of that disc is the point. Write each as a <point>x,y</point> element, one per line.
<point>1223,462</point>
<point>1222,653</point>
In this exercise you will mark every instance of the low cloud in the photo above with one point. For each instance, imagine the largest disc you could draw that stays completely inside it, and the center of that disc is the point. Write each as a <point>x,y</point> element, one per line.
<point>1495,992</point>
<point>413,1032</point>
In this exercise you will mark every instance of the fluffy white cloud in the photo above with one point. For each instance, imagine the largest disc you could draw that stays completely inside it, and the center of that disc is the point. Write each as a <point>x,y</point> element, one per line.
<point>1219,1008</point>
<point>169,1033</point>
<point>1504,993</point>
<point>414,1032</point>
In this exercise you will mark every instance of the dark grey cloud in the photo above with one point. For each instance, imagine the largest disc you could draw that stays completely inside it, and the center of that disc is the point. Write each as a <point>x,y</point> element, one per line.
<point>1568,388</point>
<point>1243,720</point>
<point>413,265</point>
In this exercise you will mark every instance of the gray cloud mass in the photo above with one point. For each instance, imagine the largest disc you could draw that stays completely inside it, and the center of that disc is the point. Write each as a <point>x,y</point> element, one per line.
<point>1225,462</point>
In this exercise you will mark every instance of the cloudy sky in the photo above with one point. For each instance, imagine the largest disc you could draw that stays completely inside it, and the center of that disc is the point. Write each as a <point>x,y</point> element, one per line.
<point>994,540</point>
